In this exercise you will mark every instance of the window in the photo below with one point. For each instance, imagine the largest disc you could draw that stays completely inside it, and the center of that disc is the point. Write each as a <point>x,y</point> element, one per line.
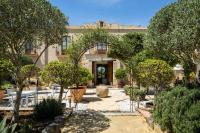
<point>29,47</point>
<point>101,23</point>
<point>101,48</point>
<point>65,43</point>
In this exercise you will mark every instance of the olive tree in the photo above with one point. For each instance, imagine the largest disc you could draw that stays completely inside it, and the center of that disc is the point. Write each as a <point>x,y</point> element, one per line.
<point>60,73</point>
<point>174,30</point>
<point>86,40</point>
<point>155,73</point>
<point>125,47</point>
<point>21,22</point>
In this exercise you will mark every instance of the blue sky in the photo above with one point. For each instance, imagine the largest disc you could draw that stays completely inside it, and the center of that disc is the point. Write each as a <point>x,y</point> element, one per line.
<point>131,12</point>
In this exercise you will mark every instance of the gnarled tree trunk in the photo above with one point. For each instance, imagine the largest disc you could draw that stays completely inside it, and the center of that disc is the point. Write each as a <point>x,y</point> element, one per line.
<point>61,94</point>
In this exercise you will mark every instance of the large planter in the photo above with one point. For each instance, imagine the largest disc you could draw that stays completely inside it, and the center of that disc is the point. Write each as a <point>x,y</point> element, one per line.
<point>2,94</point>
<point>77,93</point>
<point>102,91</point>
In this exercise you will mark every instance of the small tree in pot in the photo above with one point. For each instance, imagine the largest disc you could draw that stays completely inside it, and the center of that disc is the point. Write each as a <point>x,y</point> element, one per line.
<point>121,76</point>
<point>83,76</point>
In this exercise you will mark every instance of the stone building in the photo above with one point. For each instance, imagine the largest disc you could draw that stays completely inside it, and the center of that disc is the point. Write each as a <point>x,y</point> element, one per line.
<point>95,59</point>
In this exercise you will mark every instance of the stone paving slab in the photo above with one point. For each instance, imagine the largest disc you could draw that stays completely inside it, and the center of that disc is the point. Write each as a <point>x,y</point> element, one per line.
<point>116,101</point>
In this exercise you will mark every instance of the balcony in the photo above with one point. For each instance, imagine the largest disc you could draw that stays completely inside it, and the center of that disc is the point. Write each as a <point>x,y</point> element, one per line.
<point>62,56</point>
<point>101,48</point>
<point>101,51</point>
<point>32,53</point>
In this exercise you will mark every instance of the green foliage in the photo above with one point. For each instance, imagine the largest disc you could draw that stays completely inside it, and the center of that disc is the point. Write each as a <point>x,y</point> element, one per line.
<point>4,128</point>
<point>87,40</point>
<point>6,69</point>
<point>30,70</point>
<point>178,110</point>
<point>26,128</point>
<point>57,72</point>
<point>127,46</point>
<point>85,75</point>
<point>135,93</point>
<point>156,73</point>
<point>23,21</point>
<point>121,74</point>
<point>48,109</point>
<point>60,73</point>
<point>6,85</point>
<point>25,60</point>
<point>192,77</point>
<point>174,32</point>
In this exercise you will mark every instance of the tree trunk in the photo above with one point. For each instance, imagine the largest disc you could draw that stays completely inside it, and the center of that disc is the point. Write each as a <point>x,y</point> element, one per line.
<point>61,94</point>
<point>138,104</point>
<point>17,104</point>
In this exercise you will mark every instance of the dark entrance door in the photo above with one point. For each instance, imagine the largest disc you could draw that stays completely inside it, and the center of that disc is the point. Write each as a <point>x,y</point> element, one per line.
<point>102,74</point>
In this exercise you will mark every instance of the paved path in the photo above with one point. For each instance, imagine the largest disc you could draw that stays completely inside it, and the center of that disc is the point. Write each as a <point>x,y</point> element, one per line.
<point>108,115</point>
<point>96,122</point>
<point>117,101</point>
<point>128,124</point>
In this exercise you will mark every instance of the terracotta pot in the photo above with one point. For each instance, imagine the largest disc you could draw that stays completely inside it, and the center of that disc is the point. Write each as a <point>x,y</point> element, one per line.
<point>2,94</point>
<point>77,93</point>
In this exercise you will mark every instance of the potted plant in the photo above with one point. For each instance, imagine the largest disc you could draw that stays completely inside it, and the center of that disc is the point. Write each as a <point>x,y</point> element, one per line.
<point>121,76</point>
<point>82,78</point>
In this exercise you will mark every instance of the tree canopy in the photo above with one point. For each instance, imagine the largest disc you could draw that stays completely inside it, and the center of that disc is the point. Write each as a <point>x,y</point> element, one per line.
<point>58,72</point>
<point>127,46</point>
<point>174,31</point>
<point>154,72</point>
<point>22,22</point>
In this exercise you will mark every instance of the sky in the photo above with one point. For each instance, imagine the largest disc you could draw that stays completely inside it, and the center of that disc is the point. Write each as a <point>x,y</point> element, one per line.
<point>127,12</point>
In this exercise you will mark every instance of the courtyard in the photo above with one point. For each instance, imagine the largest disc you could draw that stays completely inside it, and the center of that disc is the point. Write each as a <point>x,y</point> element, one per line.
<point>99,66</point>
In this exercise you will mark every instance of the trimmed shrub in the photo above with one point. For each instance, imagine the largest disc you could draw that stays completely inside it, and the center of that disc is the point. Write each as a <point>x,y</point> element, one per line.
<point>137,94</point>
<point>85,75</point>
<point>120,74</point>
<point>156,73</point>
<point>178,110</point>
<point>48,109</point>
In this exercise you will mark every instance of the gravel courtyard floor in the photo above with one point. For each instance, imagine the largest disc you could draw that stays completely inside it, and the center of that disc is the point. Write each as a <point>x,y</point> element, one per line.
<point>128,124</point>
<point>96,122</point>
<point>116,101</point>
<point>106,115</point>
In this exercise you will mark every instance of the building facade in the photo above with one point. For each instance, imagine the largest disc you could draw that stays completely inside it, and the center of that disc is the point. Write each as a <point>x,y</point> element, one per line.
<point>95,59</point>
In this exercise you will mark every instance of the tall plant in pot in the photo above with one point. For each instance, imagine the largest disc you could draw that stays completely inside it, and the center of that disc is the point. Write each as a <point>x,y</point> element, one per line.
<point>121,76</point>
<point>83,76</point>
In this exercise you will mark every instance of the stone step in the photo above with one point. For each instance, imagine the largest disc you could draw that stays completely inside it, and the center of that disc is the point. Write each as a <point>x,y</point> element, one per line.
<point>118,113</point>
<point>121,113</point>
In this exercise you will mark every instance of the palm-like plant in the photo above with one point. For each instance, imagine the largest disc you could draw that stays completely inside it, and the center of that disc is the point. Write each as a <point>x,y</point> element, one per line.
<point>4,128</point>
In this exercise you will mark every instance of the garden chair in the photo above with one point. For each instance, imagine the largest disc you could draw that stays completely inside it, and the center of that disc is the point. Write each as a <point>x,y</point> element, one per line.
<point>12,98</point>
